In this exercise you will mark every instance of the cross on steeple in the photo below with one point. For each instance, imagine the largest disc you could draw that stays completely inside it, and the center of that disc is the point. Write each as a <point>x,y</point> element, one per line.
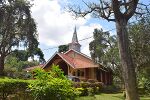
<point>74,44</point>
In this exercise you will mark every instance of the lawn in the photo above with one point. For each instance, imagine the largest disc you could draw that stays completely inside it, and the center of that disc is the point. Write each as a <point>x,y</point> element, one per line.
<point>118,96</point>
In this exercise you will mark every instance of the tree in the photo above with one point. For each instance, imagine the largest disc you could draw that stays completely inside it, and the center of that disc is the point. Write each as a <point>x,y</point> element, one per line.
<point>119,11</point>
<point>21,55</point>
<point>17,28</point>
<point>104,50</point>
<point>14,64</point>
<point>63,48</point>
<point>36,52</point>
<point>139,35</point>
<point>18,59</point>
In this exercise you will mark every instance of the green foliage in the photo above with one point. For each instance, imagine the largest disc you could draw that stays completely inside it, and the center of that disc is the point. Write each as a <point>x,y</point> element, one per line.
<point>63,48</point>
<point>84,84</point>
<point>87,88</point>
<point>23,55</point>
<point>139,35</point>
<point>52,85</point>
<point>102,47</point>
<point>110,89</point>
<point>17,28</point>
<point>91,91</point>
<point>104,50</point>
<point>144,80</point>
<point>12,86</point>
<point>92,80</point>
<point>56,72</point>
<point>109,96</point>
<point>20,54</point>
<point>14,64</point>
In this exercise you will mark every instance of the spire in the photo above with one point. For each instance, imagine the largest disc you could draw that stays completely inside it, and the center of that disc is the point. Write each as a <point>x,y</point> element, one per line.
<point>75,38</point>
<point>74,44</point>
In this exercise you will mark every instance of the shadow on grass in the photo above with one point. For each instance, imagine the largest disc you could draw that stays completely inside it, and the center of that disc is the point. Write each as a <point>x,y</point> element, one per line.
<point>119,97</point>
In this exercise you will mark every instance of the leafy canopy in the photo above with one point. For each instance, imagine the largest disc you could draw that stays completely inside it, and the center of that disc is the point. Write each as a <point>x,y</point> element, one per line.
<point>17,28</point>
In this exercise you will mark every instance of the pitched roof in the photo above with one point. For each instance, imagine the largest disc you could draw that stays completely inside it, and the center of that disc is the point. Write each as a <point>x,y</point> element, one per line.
<point>78,53</point>
<point>75,62</point>
<point>67,59</point>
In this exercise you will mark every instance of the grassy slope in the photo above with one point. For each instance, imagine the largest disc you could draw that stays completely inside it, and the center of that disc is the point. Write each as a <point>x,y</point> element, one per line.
<point>117,96</point>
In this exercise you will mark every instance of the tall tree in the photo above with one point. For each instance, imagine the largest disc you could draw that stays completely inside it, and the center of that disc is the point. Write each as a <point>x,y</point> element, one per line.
<point>17,28</point>
<point>37,52</point>
<point>139,35</point>
<point>119,11</point>
<point>14,64</point>
<point>23,55</point>
<point>104,50</point>
<point>63,48</point>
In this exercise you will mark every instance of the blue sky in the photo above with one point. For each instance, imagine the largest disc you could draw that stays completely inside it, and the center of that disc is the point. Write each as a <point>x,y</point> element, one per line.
<point>56,26</point>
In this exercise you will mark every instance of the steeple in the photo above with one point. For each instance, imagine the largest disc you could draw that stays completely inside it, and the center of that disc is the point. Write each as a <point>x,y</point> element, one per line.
<point>74,44</point>
<point>75,38</point>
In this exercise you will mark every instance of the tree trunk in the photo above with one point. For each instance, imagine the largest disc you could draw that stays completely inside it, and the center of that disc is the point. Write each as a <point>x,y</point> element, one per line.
<point>128,68</point>
<point>1,65</point>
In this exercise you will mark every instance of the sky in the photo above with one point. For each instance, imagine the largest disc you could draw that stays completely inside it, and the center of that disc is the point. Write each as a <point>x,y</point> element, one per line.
<point>55,26</point>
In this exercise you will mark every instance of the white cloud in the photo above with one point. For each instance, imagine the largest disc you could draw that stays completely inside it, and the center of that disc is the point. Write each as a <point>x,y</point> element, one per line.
<point>53,24</point>
<point>56,26</point>
<point>86,32</point>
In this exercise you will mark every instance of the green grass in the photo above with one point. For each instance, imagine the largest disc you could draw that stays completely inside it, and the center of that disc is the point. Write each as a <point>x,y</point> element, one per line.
<point>118,96</point>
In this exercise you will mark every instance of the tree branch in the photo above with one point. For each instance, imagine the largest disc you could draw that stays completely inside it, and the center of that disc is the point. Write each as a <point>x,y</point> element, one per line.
<point>131,9</point>
<point>116,9</point>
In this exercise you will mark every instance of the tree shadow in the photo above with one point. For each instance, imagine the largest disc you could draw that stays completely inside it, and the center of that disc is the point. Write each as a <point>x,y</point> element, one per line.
<point>120,97</point>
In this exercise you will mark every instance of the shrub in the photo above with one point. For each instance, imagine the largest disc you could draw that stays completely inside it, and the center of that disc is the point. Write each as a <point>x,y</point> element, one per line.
<point>84,92</point>
<point>52,85</point>
<point>110,89</point>
<point>83,79</point>
<point>92,80</point>
<point>84,84</point>
<point>144,86</point>
<point>100,85</point>
<point>87,88</point>
<point>81,91</point>
<point>12,86</point>
<point>91,92</point>
<point>76,84</point>
<point>55,89</point>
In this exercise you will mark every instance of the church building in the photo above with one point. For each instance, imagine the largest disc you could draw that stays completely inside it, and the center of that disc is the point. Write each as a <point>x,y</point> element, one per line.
<point>75,63</point>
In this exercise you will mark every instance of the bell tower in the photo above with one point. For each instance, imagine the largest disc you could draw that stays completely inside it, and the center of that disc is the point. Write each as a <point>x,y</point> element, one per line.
<point>74,44</point>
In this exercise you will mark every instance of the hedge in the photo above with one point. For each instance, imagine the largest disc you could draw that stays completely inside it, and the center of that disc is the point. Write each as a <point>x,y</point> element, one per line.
<point>12,86</point>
